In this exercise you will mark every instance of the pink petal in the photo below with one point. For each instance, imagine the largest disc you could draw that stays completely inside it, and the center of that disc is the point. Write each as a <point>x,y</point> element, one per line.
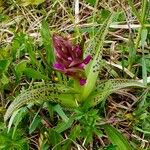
<point>87,59</point>
<point>58,66</point>
<point>77,51</point>
<point>81,66</point>
<point>82,81</point>
<point>75,63</point>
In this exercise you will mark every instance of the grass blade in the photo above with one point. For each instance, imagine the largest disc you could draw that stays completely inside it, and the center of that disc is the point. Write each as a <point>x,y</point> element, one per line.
<point>117,138</point>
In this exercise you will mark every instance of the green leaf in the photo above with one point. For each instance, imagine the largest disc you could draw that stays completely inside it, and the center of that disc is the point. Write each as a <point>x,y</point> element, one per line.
<point>4,65</point>
<point>49,107</point>
<point>18,142</point>
<point>117,138</point>
<point>144,33</point>
<point>31,51</point>
<point>4,79</point>
<point>40,93</point>
<point>12,119</point>
<point>74,134</point>
<point>18,45</point>
<point>20,67</point>
<point>47,41</point>
<point>132,52</point>
<point>106,87</point>
<point>54,138</point>
<point>35,122</point>
<point>110,147</point>
<point>31,73</point>
<point>16,119</point>
<point>62,126</point>
<point>144,70</point>
<point>92,70</point>
<point>44,145</point>
<point>61,113</point>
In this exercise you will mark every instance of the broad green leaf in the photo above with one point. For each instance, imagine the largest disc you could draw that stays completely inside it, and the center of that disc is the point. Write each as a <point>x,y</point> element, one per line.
<point>117,138</point>
<point>38,94</point>
<point>31,73</point>
<point>67,100</point>
<point>106,87</point>
<point>110,147</point>
<point>93,69</point>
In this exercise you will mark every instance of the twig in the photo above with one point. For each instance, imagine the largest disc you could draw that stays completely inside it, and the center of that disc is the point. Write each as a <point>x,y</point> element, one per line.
<point>76,11</point>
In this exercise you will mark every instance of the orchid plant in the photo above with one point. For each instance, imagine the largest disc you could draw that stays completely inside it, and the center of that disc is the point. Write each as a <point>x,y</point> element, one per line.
<point>81,65</point>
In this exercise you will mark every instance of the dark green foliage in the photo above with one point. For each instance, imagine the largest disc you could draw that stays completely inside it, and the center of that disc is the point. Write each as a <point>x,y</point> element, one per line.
<point>54,139</point>
<point>11,141</point>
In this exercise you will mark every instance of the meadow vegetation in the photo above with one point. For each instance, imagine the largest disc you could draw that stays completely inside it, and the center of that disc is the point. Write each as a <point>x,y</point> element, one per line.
<point>74,75</point>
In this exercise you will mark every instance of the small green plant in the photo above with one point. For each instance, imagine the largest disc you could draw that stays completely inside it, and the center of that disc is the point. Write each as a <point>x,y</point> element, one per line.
<point>83,89</point>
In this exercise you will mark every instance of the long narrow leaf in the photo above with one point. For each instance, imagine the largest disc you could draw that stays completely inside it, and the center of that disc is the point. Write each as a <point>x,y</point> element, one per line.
<point>117,138</point>
<point>46,37</point>
<point>93,70</point>
<point>42,93</point>
<point>106,87</point>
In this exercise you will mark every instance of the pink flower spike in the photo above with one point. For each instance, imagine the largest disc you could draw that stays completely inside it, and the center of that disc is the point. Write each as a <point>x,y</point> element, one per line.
<point>69,58</point>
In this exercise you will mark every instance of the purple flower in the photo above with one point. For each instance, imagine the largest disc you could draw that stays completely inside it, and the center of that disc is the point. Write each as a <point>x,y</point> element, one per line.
<point>69,58</point>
